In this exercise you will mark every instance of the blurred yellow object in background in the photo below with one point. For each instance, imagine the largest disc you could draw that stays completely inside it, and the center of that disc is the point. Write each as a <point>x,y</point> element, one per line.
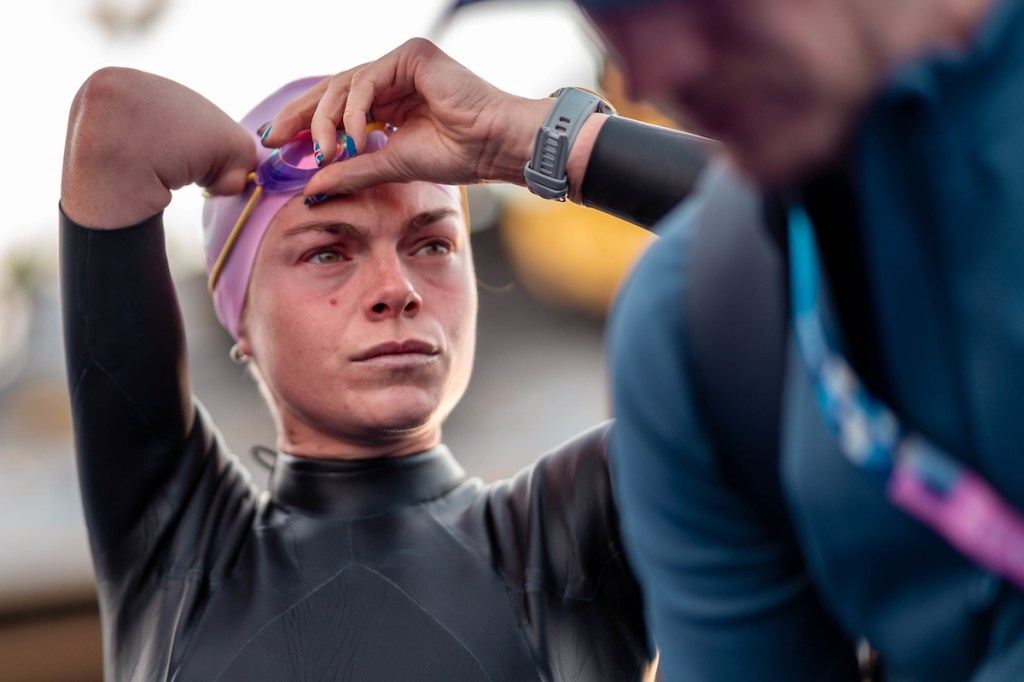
<point>569,256</point>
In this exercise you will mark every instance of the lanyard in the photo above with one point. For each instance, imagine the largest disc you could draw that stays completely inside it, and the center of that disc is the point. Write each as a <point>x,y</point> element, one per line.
<point>919,477</point>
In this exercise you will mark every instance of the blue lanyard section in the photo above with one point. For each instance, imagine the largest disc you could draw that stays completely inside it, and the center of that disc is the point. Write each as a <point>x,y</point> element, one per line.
<point>920,478</point>
<point>867,430</point>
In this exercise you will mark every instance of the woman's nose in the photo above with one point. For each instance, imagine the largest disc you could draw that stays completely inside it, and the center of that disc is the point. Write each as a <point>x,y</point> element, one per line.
<point>391,291</point>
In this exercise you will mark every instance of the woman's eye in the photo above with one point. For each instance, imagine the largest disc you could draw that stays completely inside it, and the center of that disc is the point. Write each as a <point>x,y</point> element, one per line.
<point>325,257</point>
<point>435,249</point>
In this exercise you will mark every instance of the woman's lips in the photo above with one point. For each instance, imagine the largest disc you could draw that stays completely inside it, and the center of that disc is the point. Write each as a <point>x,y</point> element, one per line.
<point>410,352</point>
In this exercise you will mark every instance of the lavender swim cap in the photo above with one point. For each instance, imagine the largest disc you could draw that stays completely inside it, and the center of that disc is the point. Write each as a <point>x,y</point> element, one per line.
<point>221,213</point>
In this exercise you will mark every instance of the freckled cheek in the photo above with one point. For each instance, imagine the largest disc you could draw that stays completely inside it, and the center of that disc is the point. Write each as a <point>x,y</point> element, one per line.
<point>296,321</point>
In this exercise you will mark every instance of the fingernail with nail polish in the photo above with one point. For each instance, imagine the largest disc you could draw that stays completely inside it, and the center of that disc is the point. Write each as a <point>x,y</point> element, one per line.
<point>317,154</point>
<point>264,130</point>
<point>314,199</point>
<point>350,146</point>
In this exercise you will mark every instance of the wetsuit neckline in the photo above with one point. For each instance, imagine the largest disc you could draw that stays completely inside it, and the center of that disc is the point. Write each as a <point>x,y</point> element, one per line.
<point>359,488</point>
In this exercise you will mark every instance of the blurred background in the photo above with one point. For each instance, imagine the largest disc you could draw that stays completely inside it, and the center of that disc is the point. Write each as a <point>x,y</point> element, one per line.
<point>547,271</point>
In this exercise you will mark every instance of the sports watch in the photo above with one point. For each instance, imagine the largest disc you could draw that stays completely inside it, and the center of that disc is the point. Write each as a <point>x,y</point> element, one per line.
<point>545,171</point>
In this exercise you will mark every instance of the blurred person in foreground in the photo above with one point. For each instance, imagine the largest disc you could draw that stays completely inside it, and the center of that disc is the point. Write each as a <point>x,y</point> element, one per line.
<point>372,556</point>
<point>818,368</point>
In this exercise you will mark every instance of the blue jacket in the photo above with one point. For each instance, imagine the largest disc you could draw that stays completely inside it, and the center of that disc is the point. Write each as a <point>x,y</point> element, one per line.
<point>738,589</point>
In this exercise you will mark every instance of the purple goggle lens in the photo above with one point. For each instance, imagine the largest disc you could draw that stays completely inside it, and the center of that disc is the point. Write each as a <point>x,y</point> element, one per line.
<point>291,166</point>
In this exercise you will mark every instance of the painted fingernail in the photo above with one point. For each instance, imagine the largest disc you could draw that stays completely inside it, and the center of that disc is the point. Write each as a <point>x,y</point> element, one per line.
<point>314,199</point>
<point>350,145</point>
<point>264,130</point>
<point>317,154</point>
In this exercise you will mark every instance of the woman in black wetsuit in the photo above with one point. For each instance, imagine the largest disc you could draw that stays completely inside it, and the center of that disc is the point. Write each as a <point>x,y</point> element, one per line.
<point>372,556</point>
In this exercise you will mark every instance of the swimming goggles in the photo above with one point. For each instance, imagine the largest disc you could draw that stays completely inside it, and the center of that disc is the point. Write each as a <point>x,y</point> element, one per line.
<point>286,170</point>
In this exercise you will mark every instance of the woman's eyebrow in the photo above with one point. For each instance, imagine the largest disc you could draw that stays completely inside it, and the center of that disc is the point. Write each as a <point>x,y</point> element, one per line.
<point>334,227</point>
<point>426,218</point>
<point>341,228</point>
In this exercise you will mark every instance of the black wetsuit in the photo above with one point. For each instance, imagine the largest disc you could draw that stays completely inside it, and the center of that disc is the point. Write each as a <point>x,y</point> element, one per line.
<point>390,569</point>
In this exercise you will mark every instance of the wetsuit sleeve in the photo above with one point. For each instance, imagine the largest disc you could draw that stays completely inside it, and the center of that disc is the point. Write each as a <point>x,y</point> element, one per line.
<point>724,597</point>
<point>139,443</point>
<point>639,172</point>
<point>556,532</point>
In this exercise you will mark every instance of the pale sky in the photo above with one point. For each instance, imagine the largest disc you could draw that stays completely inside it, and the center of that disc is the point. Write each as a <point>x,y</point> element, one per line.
<point>234,52</point>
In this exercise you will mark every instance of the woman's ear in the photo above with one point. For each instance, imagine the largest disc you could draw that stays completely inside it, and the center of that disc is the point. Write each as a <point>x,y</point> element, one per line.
<point>244,343</point>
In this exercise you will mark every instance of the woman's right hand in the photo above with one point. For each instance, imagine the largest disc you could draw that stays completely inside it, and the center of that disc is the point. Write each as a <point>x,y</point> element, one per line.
<point>134,136</point>
<point>453,127</point>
